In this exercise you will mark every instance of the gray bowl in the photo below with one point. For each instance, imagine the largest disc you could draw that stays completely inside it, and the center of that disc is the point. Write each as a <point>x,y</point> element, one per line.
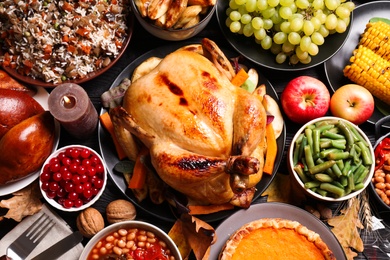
<point>173,34</point>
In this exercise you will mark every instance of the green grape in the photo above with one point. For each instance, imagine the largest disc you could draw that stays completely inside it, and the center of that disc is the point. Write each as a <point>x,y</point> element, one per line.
<point>281,57</point>
<point>266,43</point>
<point>276,19</point>
<point>313,49</point>
<point>332,4</point>
<point>228,22</point>
<point>233,5</point>
<point>293,59</point>
<point>296,24</point>
<point>316,23</point>
<point>302,4</point>
<point>235,26</point>
<point>260,34</point>
<point>341,26</point>
<point>257,23</point>
<point>305,43</point>
<point>346,20</point>
<point>323,31</point>
<point>349,5</point>
<point>331,22</point>
<point>250,5</point>
<point>275,48</point>
<point>308,27</point>
<point>268,13</point>
<point>246,18</point>
<point>262,5</point>
<point>294,7</point>
<point>235,16</point>
<point>247,30</point>
<point>294,38</point>
<point>342,12</point>
<point>301,54</point>
<point>318,4</point>
<point>317,38</point>
<point>285,12</point>
<point>285,27</point>
<point>287,47</point>
<point>240,2</point>
<point>273,3</point>
<point>286,2</point>
<point>307,60</point>
<point>320,16</point>
<point>280,37</point>
<point>267,24</point>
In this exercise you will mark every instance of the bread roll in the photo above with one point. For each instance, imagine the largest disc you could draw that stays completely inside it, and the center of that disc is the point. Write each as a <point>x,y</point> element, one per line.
<point>16,106</point>
<point>25,147</point>
<point>7,82</point>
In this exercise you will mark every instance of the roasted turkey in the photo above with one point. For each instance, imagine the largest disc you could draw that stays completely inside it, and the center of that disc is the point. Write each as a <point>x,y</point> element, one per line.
<point>205,135</point>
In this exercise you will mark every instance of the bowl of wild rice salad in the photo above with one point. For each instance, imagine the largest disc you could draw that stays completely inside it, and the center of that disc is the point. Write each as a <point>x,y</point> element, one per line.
<point>46,43</point>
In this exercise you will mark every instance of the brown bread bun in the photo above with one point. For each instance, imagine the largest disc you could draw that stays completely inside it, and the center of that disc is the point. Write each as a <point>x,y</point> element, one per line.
<point>16,106</point>
<point>25,147</point>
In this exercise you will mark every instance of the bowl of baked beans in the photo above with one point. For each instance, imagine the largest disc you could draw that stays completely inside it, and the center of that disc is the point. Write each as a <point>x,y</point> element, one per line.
<point>131,239</point>
<point>380,184</point>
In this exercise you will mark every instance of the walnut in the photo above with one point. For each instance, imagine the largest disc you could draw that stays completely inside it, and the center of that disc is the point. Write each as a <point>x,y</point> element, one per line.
<point>120,210</point>
<point>89,222</point>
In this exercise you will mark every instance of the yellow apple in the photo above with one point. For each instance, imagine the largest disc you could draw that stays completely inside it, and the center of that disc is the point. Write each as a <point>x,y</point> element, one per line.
<point>353,103</point>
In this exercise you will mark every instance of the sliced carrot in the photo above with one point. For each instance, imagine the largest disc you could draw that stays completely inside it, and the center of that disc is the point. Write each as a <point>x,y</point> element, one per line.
<point>107,123</point>
<point>67,6</point>
<point>272,149</point>
<point>208,209</point>
<point>240,77</point>
<point>138,178</point>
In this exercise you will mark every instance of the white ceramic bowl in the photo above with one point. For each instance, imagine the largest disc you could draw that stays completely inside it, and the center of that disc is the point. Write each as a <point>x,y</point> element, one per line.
<point>93,199</point>
<point>173,34</point>
<point>130,224</point>
<point>299,184</point>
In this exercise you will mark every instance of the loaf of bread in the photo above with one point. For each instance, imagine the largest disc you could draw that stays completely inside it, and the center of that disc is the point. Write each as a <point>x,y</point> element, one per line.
<point>25,147</point>
<point>16,106</point>
<point>7,82</point>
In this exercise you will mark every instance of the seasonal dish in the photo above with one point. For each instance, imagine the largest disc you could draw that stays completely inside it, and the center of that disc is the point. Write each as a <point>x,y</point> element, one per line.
<point>275,238</point>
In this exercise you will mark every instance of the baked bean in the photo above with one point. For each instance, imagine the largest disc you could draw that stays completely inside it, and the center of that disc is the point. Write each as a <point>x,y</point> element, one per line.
<point>127,242</point>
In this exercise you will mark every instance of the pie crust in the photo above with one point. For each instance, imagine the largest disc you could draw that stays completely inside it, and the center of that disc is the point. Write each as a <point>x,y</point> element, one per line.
<point>275,238</point>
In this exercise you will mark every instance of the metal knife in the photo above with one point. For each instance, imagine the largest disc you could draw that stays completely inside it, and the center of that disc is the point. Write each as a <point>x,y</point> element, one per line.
<point>61,247</point>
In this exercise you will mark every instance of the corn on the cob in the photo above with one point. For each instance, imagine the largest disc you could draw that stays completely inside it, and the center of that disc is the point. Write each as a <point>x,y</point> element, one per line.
<point>376,37</point>
<point>370,70</point>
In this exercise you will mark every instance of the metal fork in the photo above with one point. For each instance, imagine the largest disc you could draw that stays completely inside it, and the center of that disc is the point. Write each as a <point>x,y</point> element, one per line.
<point>30,238</point>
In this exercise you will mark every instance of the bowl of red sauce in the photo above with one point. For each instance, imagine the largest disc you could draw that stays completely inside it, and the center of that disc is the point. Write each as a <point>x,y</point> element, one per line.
<point>131,239</point>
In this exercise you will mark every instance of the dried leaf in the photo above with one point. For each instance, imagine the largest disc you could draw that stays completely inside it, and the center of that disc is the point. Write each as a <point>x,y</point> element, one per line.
<point>25,202</point>
<point>345,227</point>
<point>200,235</point>
<point>177,235</point>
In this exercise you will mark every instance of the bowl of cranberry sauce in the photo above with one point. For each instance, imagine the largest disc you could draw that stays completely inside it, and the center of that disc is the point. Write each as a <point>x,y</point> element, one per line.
<point>73,178</point>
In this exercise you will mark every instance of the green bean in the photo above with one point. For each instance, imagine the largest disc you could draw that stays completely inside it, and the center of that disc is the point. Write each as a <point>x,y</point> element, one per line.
<point>296,153</point>
<point>299,138</point>
<point>344,180</point>
<point>340,164</point>
<point>321,167</point>
<point>333,136</point>
<point>324,127</point>
<point>347,133</point>
<point>316,141</point>
<point>363,175</point>
<point>303,143</point>
<point>338,184</point>
<point>309,136</point>
<point>325,152</point>
<point>359,170</point>
<point>351,182</point>
<point>332,189</point>
<point>312,184</point>
<point>366,156</point>
<point>337,156</point>
<point>298,169</point>
<point>331,122</point>
<point>322,192</point>
<point>322,177</point>
<point>330,172</point>
<point>347,168</point>
<point>325,143</point>
<point>339,144</point>
<point>336,170</point>
<point>309,157</point>
<point>356,134</point>
<point>359,186</point>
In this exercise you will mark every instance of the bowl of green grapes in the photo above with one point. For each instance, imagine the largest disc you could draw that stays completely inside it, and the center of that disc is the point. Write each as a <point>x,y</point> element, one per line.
<point>286,34</point>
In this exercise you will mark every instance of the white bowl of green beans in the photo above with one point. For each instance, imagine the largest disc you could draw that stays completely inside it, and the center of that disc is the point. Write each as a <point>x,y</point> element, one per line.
<point>331,159</point>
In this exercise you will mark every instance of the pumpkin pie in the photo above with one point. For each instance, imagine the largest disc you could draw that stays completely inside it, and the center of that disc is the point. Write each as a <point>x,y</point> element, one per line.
<point>275,238</point>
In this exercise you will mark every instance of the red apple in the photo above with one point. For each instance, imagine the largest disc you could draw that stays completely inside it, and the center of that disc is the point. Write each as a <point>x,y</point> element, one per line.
<point>305,98</point>
<point>353,103</point>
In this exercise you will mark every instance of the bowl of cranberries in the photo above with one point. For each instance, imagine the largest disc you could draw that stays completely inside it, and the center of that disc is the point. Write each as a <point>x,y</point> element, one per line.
<point>73,178</point>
